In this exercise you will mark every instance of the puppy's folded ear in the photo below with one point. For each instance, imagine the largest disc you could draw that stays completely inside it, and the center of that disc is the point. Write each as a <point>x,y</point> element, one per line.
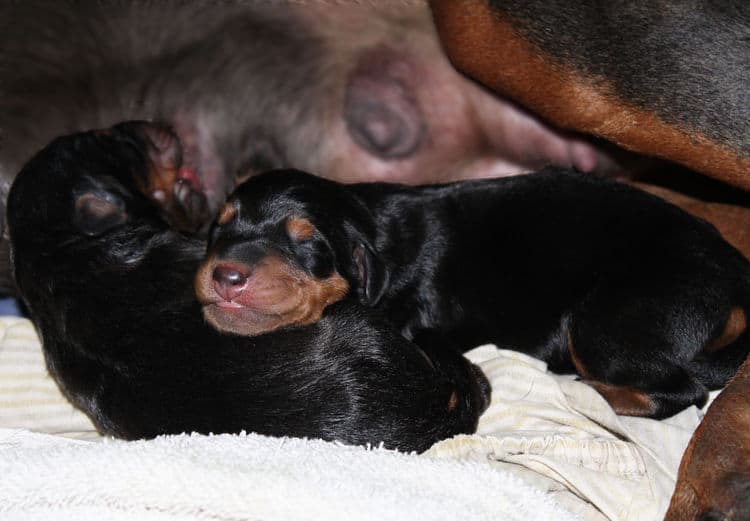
<point>372,272</point>
<point>98,211</point>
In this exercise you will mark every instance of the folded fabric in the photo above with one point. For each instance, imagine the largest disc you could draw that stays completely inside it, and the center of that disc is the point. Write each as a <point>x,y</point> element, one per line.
<point>560,435</point>
<point>546,445</point>
<point>29,397</point>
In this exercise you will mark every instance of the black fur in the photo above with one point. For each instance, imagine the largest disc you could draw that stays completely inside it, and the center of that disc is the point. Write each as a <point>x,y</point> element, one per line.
<point>535,263</point>
<point>109,287</point>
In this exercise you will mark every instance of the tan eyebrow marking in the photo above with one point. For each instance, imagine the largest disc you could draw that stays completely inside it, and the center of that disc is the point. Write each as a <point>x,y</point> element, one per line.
<point>226,214</point>
<point>299,229</point>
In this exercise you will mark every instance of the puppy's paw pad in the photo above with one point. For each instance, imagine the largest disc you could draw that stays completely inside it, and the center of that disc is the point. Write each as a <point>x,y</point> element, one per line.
<point>191,206</point>
<point>175,188</point>
<point>165,148</point>
<point>97,212</point>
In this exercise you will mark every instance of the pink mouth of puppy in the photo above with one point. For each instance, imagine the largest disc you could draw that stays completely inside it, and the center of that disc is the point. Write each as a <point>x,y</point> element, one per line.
<point>243,301</point>
<point>235,310</point>
<point>229,305</point>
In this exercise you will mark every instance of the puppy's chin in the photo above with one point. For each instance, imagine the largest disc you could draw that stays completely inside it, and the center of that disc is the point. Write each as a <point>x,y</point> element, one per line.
<point>241,320</point>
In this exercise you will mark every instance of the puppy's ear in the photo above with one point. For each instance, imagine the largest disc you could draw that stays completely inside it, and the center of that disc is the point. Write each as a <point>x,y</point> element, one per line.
<point>372,272</point>
<point>96,212</point>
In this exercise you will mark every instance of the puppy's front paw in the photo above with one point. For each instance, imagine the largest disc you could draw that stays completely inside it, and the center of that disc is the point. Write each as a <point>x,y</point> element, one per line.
<point>190,200</point>
<point>174,187</point>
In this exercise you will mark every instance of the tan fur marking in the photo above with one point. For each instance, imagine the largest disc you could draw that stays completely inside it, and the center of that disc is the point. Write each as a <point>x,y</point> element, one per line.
<point>299,229</point>
<point>158,180</point>
<point>625,400</point>
<point>163,163</point>
<point>577,362</point>
<point>241,178</point>
<point>227,213</point>
<point>734,327</point>
<point>452,401</point>
<point>330,290</point>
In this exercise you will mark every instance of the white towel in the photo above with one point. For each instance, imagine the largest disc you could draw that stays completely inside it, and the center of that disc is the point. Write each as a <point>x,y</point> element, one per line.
<point>552,433</point>
<point>247,477</point>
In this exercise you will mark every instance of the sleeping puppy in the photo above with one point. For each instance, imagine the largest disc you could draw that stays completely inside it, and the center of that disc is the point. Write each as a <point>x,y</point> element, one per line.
<point>108,284</point>
<point>645,302</point>
<point>668,79</point>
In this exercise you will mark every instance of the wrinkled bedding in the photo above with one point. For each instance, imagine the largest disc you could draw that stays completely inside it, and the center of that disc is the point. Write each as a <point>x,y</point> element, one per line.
<point>548,447</point>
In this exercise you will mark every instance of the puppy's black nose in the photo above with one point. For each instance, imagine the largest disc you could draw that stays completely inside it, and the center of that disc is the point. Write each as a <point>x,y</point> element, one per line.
<point>229,282</point>
<point>228,276</point>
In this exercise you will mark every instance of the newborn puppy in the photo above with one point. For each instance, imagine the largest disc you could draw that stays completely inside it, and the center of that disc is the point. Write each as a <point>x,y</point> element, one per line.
<point>645,302</point>
<point>108,284</point>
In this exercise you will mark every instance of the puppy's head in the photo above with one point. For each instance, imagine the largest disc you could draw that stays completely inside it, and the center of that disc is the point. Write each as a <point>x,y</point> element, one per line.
<point>284,247</point>
<point>104,178</point>
<point>91,172</point>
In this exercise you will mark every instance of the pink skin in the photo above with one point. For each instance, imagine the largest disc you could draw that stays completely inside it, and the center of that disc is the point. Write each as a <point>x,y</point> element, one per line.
<point>469,132</point>
<point>189,175</point>
<point>462,130</point>
<point>202,168</point>
<point>259,288</point>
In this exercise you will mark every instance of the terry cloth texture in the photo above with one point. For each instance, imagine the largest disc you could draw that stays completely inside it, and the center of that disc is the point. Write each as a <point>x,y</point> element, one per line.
<point>546,444</point>
<point>248,477</point>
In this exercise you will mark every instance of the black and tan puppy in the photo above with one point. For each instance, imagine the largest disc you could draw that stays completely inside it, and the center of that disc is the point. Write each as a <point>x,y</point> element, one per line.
<point>642,300</point>
<point>108,284</point>
<point>667,79</point>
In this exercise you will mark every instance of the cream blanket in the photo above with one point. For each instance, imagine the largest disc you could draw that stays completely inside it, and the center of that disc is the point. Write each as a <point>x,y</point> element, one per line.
<point>547,445</point>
